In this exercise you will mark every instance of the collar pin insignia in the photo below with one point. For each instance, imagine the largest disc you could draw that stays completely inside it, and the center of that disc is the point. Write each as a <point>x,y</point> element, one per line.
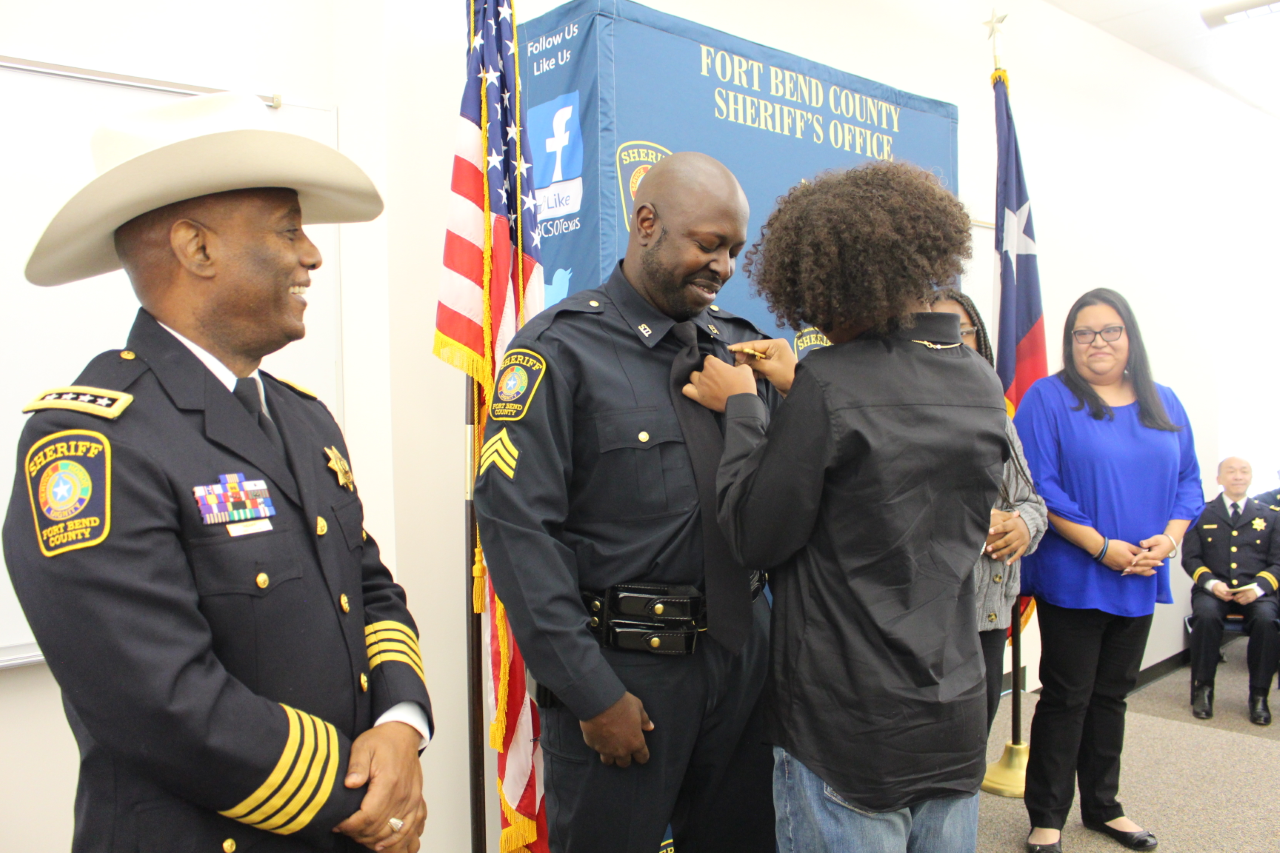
<point>644,328</point>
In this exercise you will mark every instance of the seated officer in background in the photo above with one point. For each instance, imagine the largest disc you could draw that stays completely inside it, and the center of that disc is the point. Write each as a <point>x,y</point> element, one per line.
<point>1233,555</point>
<point>1271,498</point>
<point>184,534</point>
<point>596,503</point>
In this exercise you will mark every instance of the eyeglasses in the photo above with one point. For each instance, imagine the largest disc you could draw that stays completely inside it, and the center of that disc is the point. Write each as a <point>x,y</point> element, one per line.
<point>968,331</point>
<point>1110,334</point>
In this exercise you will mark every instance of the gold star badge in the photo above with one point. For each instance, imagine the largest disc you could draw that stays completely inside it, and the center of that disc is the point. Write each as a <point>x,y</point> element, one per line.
<point>1259,524</point>
<point>341,468</point>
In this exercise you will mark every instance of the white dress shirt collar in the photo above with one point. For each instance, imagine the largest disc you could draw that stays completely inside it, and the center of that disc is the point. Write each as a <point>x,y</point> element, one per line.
<point>1227,501</point>
<point>217,368</point>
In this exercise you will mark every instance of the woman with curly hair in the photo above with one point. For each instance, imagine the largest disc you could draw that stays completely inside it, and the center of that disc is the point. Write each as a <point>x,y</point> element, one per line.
<point>867,498</point>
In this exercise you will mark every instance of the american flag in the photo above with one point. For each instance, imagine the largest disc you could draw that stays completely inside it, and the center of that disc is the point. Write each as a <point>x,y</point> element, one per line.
<point>491,284</point>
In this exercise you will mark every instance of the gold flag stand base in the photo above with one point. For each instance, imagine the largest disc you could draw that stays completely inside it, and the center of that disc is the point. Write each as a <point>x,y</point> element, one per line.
<point>1008,776</point>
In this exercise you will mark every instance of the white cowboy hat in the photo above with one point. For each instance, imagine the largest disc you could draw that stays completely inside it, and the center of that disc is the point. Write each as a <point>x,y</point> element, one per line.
<point>193,147</point>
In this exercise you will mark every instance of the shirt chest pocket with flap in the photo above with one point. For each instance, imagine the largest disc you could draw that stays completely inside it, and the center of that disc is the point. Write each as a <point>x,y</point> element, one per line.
<point>641,467</point>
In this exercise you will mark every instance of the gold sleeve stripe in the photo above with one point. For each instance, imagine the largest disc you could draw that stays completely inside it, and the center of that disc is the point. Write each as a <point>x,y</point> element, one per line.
<point>395,645</point>
<point>398,633</point>
<point>326,787</point>
<point>388,625</point>
<point>397,656</point>
<point>1270,577</point>
<point>1196,577</point>
<point>305,754</point>
<point>303,794</point>
<point>252,801</point>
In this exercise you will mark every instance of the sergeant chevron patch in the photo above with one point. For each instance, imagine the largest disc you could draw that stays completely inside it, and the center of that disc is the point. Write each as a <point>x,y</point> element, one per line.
<point>501,452</point>
<point>81,398</point>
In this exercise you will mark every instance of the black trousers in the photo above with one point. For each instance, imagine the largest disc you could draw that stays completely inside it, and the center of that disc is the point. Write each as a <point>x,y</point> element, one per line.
<point>1089,661</point>
<point>1207,615</point>
<point>993,643</point>
<point>710,769</point>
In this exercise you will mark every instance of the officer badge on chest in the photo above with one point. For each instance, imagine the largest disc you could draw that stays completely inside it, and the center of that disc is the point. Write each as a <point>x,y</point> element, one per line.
<point>1259,524</point>
<point>341,468</point>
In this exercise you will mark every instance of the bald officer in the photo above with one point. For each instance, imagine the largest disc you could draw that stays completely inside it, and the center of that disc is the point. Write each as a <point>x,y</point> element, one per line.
<point>185,532</point>
<point>1232,553</point>
<point>596,500</point>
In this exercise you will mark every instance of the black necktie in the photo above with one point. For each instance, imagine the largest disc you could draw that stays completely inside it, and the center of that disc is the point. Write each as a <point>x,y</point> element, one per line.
<point>1235,513</point>
<point>728,588</point>
<point>249,395</point>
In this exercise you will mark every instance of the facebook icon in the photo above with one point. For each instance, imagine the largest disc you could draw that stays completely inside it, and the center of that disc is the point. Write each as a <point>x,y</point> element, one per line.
<point>556,137</point>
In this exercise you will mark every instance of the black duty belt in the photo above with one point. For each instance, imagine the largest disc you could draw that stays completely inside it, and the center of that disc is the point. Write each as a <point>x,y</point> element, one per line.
<point>662,619</point>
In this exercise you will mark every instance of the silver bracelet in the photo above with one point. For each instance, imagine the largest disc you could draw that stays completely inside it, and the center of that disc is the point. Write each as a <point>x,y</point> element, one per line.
<point>1172,542</point>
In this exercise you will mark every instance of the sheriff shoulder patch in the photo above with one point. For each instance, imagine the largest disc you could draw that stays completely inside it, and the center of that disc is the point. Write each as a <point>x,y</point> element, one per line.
<point>69,480</point>
<point>81,398</point>
<point>518,381</point>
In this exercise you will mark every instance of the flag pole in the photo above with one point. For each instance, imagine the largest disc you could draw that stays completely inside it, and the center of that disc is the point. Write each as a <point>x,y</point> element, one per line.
<point>476,729</point>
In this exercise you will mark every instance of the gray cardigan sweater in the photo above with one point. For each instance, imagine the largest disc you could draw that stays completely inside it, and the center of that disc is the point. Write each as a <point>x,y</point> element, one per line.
<point>995,583</point>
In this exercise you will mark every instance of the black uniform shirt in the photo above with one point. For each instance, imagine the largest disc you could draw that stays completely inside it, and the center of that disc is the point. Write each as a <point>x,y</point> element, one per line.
<point>585,481</point>
<point>869,501</point>
<point>1238,554</point>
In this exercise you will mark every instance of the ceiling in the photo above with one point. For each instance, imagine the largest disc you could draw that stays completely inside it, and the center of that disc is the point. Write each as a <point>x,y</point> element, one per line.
<point>1242,58</point>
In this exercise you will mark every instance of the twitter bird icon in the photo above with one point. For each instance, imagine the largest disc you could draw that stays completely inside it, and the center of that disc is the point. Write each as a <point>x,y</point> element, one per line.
<point>559,287</point>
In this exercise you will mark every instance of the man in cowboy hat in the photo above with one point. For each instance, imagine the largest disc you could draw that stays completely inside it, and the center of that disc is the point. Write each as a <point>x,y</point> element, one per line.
<point>184,533</point>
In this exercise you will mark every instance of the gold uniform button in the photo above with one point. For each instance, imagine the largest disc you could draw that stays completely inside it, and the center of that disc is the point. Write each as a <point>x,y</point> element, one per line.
<point>364,536</point>
<point>1233,549</point>
<point>1235,533</point>
<point>345,602</point>
<point>715,307</point>
<point>655,642</point>
<point>643,436</point>
<point>998,578</point>
<point>594,304</point>
<point>1233,565</point>
<point>229,846</point>
<point>595,621</point>
<point>657,609</point>
<point>262,580</point>
<point>595,605</point>
<point>127,355</point>
<point>364,682</point>
<point>991,617</point>
<point>322,526</point>
<point>1234,582</point>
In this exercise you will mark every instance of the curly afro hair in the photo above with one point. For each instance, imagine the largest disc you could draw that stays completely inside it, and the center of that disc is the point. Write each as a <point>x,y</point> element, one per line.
<point>859,248</point>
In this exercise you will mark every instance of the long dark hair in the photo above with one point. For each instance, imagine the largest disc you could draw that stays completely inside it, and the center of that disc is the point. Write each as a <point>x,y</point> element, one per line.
<point>983,342</point>
<point>1151,411</point>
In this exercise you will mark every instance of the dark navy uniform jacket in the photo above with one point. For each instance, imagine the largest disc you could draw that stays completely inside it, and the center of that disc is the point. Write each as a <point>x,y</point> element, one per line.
<point>584,480</point>
<point>1236,554</point>
<point>214,674</point>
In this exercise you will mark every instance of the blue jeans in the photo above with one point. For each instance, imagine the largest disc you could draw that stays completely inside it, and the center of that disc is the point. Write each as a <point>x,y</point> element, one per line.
<point>811,817</point>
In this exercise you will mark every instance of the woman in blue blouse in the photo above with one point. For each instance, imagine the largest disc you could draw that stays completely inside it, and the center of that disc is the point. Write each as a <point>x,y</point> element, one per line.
<point>1111,453</point>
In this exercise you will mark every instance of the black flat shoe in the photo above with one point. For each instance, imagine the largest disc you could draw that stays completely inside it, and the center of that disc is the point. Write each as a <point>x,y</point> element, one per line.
<point>1140,840</point>
<point>1259,711</point>
<point>1202,702</point>
<point>1055,847</point>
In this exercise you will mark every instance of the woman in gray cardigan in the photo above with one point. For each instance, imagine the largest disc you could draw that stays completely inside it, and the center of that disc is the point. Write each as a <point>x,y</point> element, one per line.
<point>1017,521</point>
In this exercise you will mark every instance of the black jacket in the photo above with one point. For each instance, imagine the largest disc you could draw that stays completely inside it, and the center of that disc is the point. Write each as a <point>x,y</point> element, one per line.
<point>203,671</point>
<point>1236,554</point>
<point>585,481</point>
<point>868,498</point>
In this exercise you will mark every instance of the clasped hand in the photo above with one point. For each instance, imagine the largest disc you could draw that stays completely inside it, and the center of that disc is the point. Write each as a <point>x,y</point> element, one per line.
<point>617,733</point>
<point>1140,559</point>
<point>386,758</point>
<point>1008,537</point>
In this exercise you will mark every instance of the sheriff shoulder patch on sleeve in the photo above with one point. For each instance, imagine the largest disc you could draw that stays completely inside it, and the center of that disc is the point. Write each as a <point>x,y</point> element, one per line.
<point>102,402</point>
<point>501,452</point>
<point>69,480</point>
<point>518,381</point>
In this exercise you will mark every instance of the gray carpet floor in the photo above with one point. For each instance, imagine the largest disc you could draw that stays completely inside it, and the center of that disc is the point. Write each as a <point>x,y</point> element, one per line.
<point>1201,786</point>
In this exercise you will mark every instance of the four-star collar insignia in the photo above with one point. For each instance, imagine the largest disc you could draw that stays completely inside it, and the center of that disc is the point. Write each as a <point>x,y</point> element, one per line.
<point>341,468</point>
<point>1259,524</point>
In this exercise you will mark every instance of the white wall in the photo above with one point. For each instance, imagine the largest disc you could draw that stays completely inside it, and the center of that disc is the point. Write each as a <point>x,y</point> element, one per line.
<point>1143,178</point>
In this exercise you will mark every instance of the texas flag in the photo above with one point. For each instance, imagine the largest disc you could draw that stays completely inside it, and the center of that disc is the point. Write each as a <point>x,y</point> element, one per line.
<point>1020,351</point>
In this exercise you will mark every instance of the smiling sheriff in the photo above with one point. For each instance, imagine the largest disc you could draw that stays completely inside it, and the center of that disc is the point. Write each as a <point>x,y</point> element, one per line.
<point>185,533</point>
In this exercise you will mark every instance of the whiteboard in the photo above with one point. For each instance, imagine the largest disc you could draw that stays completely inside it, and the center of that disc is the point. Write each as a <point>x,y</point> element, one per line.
<point>52,333</point>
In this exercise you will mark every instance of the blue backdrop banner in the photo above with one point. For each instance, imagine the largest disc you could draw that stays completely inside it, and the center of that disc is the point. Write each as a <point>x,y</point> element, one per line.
<point>613,87</point>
